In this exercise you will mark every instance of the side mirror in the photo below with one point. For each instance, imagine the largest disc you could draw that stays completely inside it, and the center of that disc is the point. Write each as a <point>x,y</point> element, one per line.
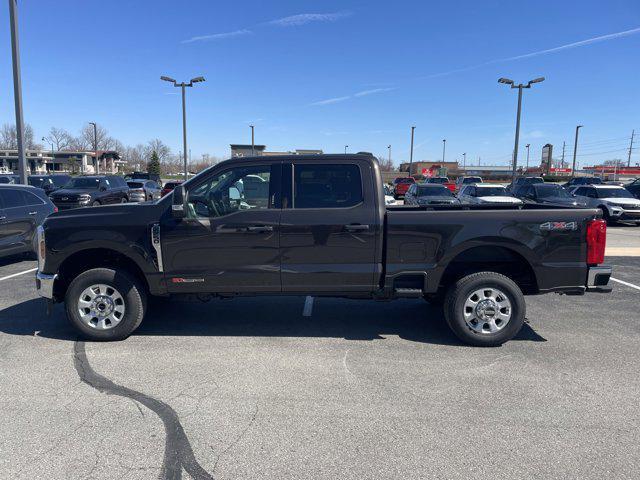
<point>103,188</point>
<point>178,207</point>
<point>234,193</point>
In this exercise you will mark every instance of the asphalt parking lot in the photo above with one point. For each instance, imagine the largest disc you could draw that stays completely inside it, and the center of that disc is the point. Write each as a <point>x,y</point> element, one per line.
<point>252,388</point>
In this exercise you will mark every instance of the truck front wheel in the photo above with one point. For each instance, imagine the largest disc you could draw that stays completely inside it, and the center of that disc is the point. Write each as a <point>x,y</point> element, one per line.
<point>105,304</point>
<point>485,309</point>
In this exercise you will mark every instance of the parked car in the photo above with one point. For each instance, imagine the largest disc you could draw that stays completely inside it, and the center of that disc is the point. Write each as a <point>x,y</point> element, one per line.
<point>388,196</point>
<point>442,181</point>
<point>634,187</point>
<point>486,193</point>
<point>323,230</point>
<point>401,185</point>
<point>22,209</point>
<point>461,181</point>
<point>429,194</point>
<point>91,190</point>
<point>49,183</point>
<point>9,178</point>
<point>143,190</point>
<point>548,194</point>
<point>144,176</point>
<point>616,203</point>
<point>520,181</point>
<point>577,181</point>
<point>169,186</point>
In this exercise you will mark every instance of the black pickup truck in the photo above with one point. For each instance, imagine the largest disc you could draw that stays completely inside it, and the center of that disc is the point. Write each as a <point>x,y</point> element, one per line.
<point>315,225</point>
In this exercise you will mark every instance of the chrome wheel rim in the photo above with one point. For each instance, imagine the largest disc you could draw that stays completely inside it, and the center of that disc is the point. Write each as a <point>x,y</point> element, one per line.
<point>487,310</point>
<point>101,307</point>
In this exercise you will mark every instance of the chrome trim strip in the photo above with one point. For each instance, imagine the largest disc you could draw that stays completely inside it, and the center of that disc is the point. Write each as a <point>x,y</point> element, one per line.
<point>595,271</point>
<point>39,238</point>
<point>157,245</point>
<point>45,284</point>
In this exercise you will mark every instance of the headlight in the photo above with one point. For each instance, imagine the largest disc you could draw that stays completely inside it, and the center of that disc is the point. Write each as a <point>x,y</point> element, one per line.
<point>85,197</point>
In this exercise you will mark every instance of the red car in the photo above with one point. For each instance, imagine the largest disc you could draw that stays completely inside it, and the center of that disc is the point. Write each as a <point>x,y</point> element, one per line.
<point>401,185</point>
<point>169,186</point>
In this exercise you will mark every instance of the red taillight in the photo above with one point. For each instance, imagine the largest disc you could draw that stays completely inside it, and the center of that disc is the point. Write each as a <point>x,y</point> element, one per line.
<point>596,241</point>
<point>55,209</point>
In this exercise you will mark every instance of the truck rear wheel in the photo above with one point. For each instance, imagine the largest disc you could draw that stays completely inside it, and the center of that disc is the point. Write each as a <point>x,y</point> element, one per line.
<point>485,309</point>
<point>105,304</point>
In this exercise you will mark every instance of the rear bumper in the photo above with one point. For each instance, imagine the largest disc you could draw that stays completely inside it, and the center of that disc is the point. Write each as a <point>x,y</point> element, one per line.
<point>598,279</point>
<point>44,284</point>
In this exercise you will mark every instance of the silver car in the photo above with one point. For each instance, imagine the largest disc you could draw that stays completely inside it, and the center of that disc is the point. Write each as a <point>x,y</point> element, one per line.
<point>143,190</point>
<point>487,193</point>
<point>429,194</point>
<point>616,203</point>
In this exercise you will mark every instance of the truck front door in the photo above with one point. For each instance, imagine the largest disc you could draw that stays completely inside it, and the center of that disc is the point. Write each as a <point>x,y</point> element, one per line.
<point>329,227</point>
<point>229,240</point>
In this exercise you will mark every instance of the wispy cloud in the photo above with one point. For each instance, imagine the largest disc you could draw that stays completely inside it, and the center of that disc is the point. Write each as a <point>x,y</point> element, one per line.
<point>218,36</point>
<point>362,93</point>
<point>534,134</point>
<point>304,18</point>
<point>372,91</point>
<point>329,101</point>
<point>568,46</point>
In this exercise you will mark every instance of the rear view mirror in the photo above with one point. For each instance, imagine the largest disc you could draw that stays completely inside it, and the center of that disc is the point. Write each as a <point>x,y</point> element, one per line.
<point>178,209</point>
<point>234,193</point>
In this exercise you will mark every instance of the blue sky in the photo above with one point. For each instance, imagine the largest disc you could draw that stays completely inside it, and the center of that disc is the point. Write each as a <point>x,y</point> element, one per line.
<point>326,74</point>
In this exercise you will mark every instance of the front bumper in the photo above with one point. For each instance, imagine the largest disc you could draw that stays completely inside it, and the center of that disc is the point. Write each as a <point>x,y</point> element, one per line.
<point>598,279</point>
<point>44,284</point>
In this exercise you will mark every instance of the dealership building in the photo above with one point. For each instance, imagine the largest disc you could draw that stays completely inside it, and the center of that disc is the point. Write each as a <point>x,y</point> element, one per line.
<point>43,161</point>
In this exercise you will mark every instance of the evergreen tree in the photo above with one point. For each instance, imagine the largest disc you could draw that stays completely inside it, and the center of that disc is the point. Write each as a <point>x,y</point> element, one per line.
<point>154,164</point>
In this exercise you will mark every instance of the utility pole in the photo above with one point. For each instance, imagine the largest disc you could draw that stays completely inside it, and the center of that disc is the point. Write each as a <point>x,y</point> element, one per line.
<point>345,149</point>
<point>575,150</point>
<point>464,161</point>
<point>633,132</point>
<point>564,144</point>
<point>510,82</point>
<point>389,147</point>
<point>527,169</point>
<point>17,91</point>
<point>444,147</point>
<point>253,144</point>
<point>95,146</point>
<point>411,151</point>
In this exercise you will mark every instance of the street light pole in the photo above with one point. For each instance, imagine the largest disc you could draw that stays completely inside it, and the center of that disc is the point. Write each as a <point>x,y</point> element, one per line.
<point>510,82</point>
<point>253,146</point>
<point>575,150</point>
<point>17,91</point>
<point>444,146</point>
<point>389,147</point>
<point>95,146</point>
<point>345,148</point>
<point>633,132</point>
<point>411,151</point>
<point>183,86</point>
<point>527,169</point>
<point>464,160</point>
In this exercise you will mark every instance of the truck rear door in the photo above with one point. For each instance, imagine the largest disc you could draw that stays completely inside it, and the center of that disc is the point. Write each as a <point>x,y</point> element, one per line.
<point>328,226</point>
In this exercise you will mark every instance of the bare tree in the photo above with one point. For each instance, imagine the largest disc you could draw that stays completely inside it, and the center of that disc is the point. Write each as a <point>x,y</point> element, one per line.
<point>104,141</point>
<point>60,138</point>
<point>134,156</point>
<point>386,165</point>
<point>158,146</point>
<point>9,138</point>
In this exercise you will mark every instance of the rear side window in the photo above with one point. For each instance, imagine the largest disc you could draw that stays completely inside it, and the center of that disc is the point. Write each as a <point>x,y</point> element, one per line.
<point>12,198</point>
<point>327,186</point>
<point>31,199</point>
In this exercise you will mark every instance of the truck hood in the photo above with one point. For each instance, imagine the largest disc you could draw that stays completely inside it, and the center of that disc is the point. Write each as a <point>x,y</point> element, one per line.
<point>500,199</point>
<point>73,192</point>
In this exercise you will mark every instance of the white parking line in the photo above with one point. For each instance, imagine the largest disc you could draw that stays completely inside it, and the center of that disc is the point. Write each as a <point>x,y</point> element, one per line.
<point>626,283</point>
<point>308,307</point>
<point>18,274</point>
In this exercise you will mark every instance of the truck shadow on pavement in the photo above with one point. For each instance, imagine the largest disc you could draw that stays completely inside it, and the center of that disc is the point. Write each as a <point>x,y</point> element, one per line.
<point>412,320</point>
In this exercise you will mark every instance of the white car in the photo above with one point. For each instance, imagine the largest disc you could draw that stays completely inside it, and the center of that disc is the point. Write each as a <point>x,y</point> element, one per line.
<point>388,197</point>
<point>487,193</point>
<point>616,203</point>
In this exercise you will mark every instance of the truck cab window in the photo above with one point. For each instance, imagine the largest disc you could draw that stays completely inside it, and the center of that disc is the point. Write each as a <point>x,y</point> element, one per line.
<point>327,186</point>
<point>240,188</point>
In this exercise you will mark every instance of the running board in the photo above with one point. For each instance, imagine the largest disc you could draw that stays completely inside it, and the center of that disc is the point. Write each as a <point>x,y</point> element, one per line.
<point>408,292</point>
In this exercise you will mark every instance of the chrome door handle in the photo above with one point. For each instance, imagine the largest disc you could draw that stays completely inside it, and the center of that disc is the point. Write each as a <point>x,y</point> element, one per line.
<point>259,229</point>
<point>356,228</point>
<point>33,213</point>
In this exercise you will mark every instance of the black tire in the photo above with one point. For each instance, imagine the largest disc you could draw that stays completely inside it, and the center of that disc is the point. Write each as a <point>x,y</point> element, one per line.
<point>133,295</point>
<point>96,203</point>
<point>605,216</point>
<point>458,294</point>
<point>124,200</point>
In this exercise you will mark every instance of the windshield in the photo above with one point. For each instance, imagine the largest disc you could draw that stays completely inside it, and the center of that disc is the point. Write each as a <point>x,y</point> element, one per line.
<point>433,192</point>
<point>405,180</point>
<point>83,183</point>
<point>613,193</point>
<point>472,180</point>
<point>530,180</point>
<point>491,192</point>
<point>552,191</point>
<point>59,180</point>
<point>135,184</point>
<point>36,181</point>
<point>437,180</point>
